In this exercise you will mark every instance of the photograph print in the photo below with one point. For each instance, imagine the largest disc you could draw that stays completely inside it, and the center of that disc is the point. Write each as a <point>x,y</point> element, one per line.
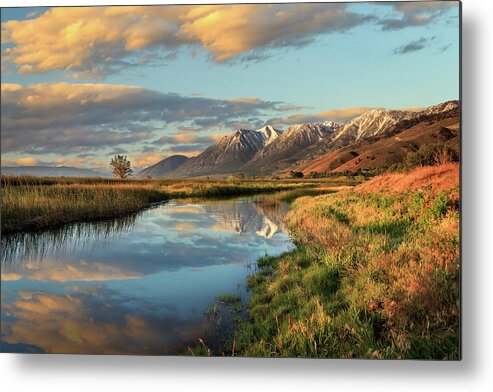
<point>239,180</point>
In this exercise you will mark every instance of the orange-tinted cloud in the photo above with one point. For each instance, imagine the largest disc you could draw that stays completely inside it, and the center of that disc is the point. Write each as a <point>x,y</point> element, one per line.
<point>71,117</point>
<point>79,322</point>
<point>337,115</point>
<point>76,271</point>
<point>27,161</point>
<point>146,159</point>
<point>89,41</point>
<point>185,227</point>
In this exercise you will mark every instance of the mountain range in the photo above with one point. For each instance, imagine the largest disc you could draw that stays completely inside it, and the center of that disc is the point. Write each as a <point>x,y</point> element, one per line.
<point>163,167</point>
<point>377,138</point>
<point>51,171</point>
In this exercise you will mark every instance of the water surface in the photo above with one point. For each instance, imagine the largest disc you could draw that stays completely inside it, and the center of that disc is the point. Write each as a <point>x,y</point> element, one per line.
<point>139,285</point>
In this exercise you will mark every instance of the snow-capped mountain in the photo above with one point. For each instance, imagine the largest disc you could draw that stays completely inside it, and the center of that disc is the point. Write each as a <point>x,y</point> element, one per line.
<point>230,153</point>
<point>385,150</point>
<point>269,134</point>
<point>267,150</point>
<point>381,121</point>
<point>371,123</point>
<point>279,154</point>
<point>441,108</point>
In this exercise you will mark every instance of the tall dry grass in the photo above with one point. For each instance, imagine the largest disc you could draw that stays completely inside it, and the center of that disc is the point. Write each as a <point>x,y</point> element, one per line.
<point>34,207</point>
<point>33,203</point>
<point>435,178</point>
<point>375,275</point>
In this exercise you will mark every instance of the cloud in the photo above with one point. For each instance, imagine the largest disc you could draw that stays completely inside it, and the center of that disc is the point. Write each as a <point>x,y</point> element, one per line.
<point>75,271</point>
<point>32,14</point>
<point>337,115</point>
<point>69,118</point>
<point>189,149</point>
<point>94,41</point>
<point>27,161</point>
<point>444,48</point>
<point>184,138</point>
<point>414,46</point>
<point>228,31</point>
<point>146,159</point>
<point>81,160</point>
<point>418,13</point>
<point>185,227</point>
<point>79,322</point>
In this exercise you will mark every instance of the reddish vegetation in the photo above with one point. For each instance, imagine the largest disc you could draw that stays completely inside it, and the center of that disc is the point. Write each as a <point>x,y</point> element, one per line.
<point>385,152</point>
<point>375,274</point>
<point>434,178</point>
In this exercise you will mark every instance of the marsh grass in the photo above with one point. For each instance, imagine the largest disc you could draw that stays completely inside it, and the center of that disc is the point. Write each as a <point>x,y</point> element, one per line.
<point>32,207</point>
<point>34,203</point>
<point>288,196</point>
<point>232,302</point>
<point>374,275</point>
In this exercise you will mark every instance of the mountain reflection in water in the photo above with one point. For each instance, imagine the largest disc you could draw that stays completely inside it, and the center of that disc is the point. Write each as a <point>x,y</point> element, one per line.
<point>138,285</point>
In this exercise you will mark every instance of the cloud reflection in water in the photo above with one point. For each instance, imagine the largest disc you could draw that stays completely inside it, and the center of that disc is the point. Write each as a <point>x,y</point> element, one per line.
<point>139,287</point>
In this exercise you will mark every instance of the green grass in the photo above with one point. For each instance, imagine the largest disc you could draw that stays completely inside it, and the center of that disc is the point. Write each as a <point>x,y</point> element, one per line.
<point>373,276</point>
<point>232,302</point>
<point>290,195</point>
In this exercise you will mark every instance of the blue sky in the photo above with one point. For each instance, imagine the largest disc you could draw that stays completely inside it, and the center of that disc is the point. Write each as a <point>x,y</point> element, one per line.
<point>282,62</point>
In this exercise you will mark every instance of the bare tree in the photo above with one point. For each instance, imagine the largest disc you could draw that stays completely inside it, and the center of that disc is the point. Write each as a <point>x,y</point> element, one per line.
<point>121,166</point>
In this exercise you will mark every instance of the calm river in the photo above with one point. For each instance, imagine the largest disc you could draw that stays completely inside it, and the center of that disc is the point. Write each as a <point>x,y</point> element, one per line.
<point>139,285</point>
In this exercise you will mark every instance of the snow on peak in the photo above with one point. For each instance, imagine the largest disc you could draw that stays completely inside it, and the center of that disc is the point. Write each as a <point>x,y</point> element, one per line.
<point>315,131</point>
<point>331,124</point>
<point>379,121</point>
<point>268,134</point>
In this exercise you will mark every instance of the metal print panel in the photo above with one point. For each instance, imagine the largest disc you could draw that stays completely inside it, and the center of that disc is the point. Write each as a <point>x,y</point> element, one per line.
<point>263,180</point>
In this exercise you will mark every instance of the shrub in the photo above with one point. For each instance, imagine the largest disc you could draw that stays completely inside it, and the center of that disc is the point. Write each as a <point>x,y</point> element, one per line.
<point>296,174</point>
<point>239,176</point>
<point>431,154</point>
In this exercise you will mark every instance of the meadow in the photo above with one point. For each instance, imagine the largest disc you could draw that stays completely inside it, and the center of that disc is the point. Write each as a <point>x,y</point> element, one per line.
<point>375,274</point>
<point>35,203</point>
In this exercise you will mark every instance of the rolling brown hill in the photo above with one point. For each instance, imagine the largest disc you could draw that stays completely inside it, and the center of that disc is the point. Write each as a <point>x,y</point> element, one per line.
<point>377,138</point>
<point>384,152</point>
<point>434,178</point>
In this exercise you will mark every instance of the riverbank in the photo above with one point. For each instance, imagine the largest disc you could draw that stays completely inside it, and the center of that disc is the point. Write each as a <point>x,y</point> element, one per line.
<point>30,203</point>
<point>375,274</point>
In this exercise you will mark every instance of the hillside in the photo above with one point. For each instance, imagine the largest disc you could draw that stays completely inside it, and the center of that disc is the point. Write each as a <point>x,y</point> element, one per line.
<point>164,167</point>
<point>279,154</point>
<point>431,178</point>
<point>387,151</point>
<point>369,264</point>
<point>229,154</point>
<point>371,127</point>
<point>376,139</point>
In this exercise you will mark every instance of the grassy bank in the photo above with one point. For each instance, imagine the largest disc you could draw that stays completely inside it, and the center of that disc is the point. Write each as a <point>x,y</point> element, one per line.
<point>26,208</point>
<point>30,203</point>
<point>375,275</point>
<point>288,196</point>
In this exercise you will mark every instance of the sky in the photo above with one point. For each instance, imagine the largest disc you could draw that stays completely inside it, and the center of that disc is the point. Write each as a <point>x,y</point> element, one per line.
<point>81,84</point>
